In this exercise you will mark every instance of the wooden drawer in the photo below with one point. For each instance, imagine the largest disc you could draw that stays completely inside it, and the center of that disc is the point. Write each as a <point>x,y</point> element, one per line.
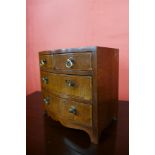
<point>79,113</point>
<point>61,84</point>
<point>45,61</point>
<point>51,105</point>
<point>68,110</point>
<point>73,61</point>
<point>44,78</point>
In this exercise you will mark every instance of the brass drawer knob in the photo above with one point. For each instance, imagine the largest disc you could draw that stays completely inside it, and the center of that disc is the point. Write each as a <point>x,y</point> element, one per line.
<point>43,62</point>
<point>69,63</point>
<point>72,110</point>
<point>45,80</point>
<point>70,83</point>
<point>46,100</point>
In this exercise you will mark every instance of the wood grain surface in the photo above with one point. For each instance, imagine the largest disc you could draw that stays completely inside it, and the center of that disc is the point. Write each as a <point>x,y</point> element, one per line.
<point>59,84</point>
<point>82,61</point>
<point>90,85</point>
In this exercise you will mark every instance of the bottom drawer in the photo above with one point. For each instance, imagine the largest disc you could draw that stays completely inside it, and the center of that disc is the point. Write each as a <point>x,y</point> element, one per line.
<point>65,109</point>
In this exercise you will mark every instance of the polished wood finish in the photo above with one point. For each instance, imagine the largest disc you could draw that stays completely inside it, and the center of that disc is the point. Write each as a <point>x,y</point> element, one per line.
<point>82,61</point>
<point>52,107</point>
<point>89,81</point>
<point>48,63</point>
<point>59,108</point>
<point>61,84</point>
<point>47,137</point>
<point>107,87</point>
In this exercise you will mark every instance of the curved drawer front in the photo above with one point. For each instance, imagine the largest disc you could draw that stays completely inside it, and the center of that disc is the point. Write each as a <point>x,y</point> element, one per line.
<point>45,61</point>
<point>68,110</point>
<point>73,61</point>
<point>51,105</point>
<point>78,113</point>
<point>71,85</point>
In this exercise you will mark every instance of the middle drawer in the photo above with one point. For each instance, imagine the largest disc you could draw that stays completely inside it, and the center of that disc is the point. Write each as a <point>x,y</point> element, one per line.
<point>71,85</point>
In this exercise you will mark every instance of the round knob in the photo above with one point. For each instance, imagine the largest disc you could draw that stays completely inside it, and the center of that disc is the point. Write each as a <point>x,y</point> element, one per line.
<point>70,83</point>
<point>45,80</point>
<point>72,110</point>
<point>69,63</point>
<point>43,62</point>
<point>46,100</point>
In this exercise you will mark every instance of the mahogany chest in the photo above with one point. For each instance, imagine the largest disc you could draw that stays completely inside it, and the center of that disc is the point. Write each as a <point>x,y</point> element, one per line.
<point>80,87</point>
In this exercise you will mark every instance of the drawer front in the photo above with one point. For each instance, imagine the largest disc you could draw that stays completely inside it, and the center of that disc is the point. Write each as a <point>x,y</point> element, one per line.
<point>51,105</point>
<point>78,113</point>
<point>73,61</point>
<point>44,78</point>
<point>74,86</point>
<point>63,109</point>
<point>45,61</point>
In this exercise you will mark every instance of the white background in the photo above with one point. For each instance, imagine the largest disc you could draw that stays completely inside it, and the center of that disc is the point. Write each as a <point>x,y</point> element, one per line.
<point>142,77</point>
<point>13,77</point>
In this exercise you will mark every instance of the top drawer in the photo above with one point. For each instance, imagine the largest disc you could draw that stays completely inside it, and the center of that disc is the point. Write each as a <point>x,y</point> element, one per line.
<point>72,61</point>
<point>45,61</point>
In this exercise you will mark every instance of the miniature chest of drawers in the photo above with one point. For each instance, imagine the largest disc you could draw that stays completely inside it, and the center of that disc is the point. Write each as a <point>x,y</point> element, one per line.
<point>80,87</point>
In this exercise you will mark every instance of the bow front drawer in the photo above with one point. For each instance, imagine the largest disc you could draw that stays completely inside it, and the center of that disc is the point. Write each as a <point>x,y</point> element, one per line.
<point>74,86</point>
<point>73,61</point>
<point>68,110</point>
